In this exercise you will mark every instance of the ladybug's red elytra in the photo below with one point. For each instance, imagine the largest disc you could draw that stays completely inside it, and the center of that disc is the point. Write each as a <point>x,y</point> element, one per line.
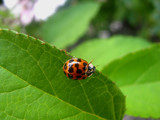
<point>78,69</point>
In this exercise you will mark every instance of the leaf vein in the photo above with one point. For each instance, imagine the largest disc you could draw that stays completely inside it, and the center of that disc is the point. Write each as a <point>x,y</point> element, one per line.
<point>56,96</point>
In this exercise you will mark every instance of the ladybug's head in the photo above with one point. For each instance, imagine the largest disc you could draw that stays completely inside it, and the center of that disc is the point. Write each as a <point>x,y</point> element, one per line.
<point>91,69</point>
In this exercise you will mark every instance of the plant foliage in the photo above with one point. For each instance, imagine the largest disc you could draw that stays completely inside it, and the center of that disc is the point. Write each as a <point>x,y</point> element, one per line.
<point>34,87</point>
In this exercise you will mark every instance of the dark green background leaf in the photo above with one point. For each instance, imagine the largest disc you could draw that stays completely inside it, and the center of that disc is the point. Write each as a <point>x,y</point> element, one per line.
<point>104,51</point>
<point>65,27</point>
<point>138,76</point>
<point>34,87</point>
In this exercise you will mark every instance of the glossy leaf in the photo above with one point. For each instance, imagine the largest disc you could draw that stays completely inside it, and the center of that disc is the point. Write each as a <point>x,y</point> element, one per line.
<point>65,27</point>
<point>102,52</point>
<point>34,87</point>
<point>138,76</point>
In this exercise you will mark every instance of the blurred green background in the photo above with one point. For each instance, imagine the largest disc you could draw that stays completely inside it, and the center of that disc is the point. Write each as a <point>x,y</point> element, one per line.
<point>103,19</point>
<point>98,30</point>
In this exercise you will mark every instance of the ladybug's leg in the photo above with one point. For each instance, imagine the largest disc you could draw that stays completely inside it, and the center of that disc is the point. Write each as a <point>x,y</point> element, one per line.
<point>63,50</point>
<point>66,53</point>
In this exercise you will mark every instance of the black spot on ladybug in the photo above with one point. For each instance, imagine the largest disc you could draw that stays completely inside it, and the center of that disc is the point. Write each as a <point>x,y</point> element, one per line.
<point>83,73</point>
<point>77,65</point>
<point>84,64</point>
<point>84,68</point>
<point>65,66</point>
<point>71,61</point>
<point>79,76</point>
<point>84,78</point>
<point>70,70</point>
<point>70,76</point>
<point>79,71</point>
<point>78,60</point>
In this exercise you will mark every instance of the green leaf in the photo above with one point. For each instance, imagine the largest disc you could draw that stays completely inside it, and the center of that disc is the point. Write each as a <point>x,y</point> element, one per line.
<point>138,76</point>
<point>103,52</point>
<point>66,26</point>
<point>34,87</point>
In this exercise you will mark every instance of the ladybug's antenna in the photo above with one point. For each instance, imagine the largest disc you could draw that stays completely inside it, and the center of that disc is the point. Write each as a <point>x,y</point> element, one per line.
<point>97,66</point>
<point>67,53</point>
<point>91,61</point>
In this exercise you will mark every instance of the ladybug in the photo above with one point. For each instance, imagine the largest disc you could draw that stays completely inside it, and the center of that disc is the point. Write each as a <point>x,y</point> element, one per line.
<point>78,69</point>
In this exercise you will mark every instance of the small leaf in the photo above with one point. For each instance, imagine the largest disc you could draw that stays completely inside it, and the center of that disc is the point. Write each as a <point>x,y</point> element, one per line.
<point>138,76</point>
<point>34,87</point>
<point>66,26</point>
<point>103,52</point>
